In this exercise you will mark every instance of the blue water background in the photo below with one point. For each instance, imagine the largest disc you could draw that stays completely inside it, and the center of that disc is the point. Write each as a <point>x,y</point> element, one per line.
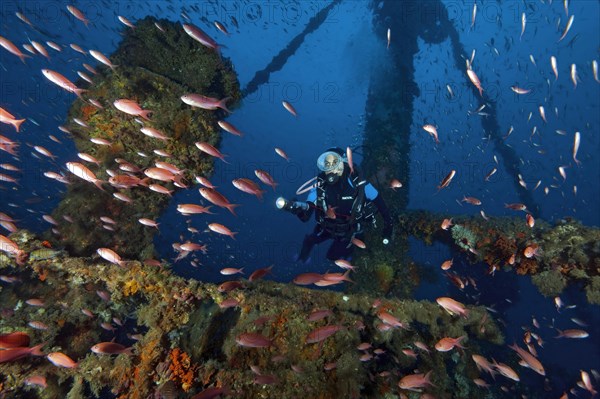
<point>327,80</point>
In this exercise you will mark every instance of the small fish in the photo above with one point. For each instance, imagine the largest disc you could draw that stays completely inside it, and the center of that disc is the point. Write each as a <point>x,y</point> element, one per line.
<point>200,36</point>
<point>220,229</point>
<point>102,58</point>
<point>209,103</point>
<point>532,60</point>
<point>447,344</point>
<point>131,107</point>
<point>562,171</point>
<point>473,15</point>
<point>432,130</point>
<point>572,333</point>
<point>230,271</point>
<point>228,127</point>
<point>110,348</point>
<point>359,243</point>
<point>395,184</point>
<point>266,178</point>
<point>446,182</point>
<point>542,113</point>
<point>519,90</point>
<point>282,153</point>
<point>530,220</point>
<point>576,142</point>
<point>475,80</point>
<point>126,22</point>
<point>349,158</point>
<point>260,273</point>
<point>490,174</point>
<point>574,77</point>
<point>389,37</point>
<point>595,70</point>
<point>111,256</point>
<point>554,65</point>
<point>221,27</point>
<point>78,14</point>
<point>568,27</point>
<point>446,223</point>
<point>61,360</point>
<point>289,108</point>
<point>471,200</point>
<point>253,340</point>
<point>447,264</point>
<point>523,24</point>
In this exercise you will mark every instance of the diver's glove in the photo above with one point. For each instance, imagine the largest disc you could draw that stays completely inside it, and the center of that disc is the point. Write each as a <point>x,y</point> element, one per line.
<point>388,230</point>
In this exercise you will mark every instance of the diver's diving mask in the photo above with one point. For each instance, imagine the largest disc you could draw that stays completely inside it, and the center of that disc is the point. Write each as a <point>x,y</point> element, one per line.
<point>332,164</point>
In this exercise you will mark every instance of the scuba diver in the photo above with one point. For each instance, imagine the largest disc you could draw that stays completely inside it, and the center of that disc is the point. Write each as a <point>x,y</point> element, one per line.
<point>344,204</point>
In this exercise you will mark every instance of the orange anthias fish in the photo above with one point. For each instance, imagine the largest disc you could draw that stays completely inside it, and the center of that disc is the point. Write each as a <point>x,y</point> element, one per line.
<point>8,118</point>
<point>447,344</point>
<point>61,360</point>
<point>432,130</point>
<point>446,182</point>
<point>453,307</point>
<point>289,108</point>
<point>446,223</point>
<point>218,199</point>
<point>475,80</point>
<point>414,382</point>
<point>530,361</point>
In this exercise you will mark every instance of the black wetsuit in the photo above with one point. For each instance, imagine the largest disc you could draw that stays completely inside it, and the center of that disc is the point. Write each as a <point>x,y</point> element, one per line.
<point>341,212</point>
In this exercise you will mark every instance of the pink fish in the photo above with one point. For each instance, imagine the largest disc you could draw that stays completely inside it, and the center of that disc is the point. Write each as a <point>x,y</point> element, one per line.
<point>322,333</point>
<point>62,82</point>
<point>319,315</point>
<point>307,278</point>
<point>111,256</point>
<point>231,270</point>
<point>8,118</point>
<point>220,229</point>
<point>131,107</point>
<point>103,59</point>
<point>248,186</point>
<point>218,199</point>
<point>350,161</point>
<point>266,178</point>
<point>260,273</point>
<point>228,127</point>
<point>414,382</point>
<point>10,354</point>
<point>38,380</point>
<point>475,80</point>
<point>126,22</point>
<point>78,14</point>
<point>84,173</point>
<point>446,344</point>
<point>14,340</point>
<point>61,360</point>
<point>210,150</point>
<point>200,101</point>
<point>111,348</point>
<point>453,307</point>
<point>9,46</point>
<point>290,108</point>
<point>190,209</point>
<point>282,153</point>
<point>253,340</point>
<point>199,35</point>
<point>390,319</point>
